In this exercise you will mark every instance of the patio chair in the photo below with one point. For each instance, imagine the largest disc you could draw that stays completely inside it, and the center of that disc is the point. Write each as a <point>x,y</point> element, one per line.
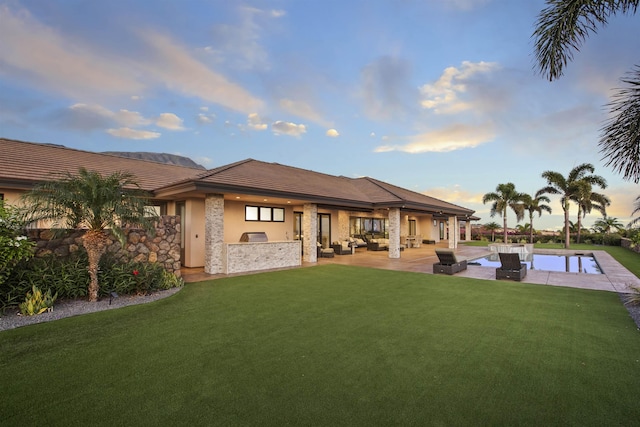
<point>511,267</point>
<point>342,248</point>
<point>325,252</point>
<point>448,263</point>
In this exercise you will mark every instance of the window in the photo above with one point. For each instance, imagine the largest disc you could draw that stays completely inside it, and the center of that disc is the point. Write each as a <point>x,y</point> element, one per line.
<point>263,213</point>
<point>412,227</point>
<point>368,226</point>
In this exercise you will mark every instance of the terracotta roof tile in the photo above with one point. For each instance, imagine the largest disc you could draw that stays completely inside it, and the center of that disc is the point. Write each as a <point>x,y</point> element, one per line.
<point>32,162</point>
<point>26,162</point>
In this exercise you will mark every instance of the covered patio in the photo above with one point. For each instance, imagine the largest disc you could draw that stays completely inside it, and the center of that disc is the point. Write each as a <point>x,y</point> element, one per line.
<point>616,278</point>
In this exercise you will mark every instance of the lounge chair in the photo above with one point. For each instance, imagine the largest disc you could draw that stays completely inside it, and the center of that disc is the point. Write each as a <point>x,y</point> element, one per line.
<point>448,263</point>
<point>511,267</point>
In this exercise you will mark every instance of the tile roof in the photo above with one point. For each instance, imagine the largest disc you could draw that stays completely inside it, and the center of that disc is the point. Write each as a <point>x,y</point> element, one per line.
<point>24,163</point>
<point>28,162</point>
<point>286,181</point>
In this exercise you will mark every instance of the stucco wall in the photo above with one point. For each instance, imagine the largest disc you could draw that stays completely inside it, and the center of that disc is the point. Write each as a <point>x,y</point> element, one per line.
<point>235,224</point>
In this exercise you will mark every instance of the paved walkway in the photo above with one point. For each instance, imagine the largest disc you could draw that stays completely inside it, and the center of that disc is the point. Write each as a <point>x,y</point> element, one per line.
<point>616,278</point>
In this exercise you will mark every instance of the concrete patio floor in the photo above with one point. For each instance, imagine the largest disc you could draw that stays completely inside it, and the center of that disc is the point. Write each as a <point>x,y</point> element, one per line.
<point>616,278</point>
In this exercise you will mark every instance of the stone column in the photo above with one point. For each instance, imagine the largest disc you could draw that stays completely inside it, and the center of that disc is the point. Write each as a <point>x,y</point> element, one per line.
<point>467,230</point>
<point>343,225</point>
<point>453,232</point>
<point>394,233</point>
<point>310,232</point>
<point>214,234</point>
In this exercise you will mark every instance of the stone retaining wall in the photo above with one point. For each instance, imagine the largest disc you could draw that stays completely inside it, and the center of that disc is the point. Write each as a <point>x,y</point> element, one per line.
<point>626,243</point>
<point>141,246</point>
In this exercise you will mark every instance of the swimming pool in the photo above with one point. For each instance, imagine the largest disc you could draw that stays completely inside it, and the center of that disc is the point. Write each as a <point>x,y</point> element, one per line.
<point>575,263</point>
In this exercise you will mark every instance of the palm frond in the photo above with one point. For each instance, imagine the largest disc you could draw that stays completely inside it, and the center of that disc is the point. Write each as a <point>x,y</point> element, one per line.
<point>620,136</point>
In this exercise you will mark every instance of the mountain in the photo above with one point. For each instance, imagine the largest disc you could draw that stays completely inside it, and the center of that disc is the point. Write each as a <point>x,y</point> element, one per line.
<point>171,159</point>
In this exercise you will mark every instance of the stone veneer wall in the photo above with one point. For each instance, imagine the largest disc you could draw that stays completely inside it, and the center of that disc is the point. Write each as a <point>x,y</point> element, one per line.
<point>141,246</point>
<point>242,257</point>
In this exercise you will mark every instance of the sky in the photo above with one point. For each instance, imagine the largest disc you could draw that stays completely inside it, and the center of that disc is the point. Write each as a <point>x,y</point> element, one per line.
<point>438,96</point>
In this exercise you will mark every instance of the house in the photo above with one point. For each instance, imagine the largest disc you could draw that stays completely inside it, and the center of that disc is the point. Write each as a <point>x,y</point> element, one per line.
<point>297,209</point>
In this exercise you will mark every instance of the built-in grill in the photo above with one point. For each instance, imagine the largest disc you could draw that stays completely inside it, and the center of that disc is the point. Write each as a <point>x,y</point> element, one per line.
<point>254,236</point>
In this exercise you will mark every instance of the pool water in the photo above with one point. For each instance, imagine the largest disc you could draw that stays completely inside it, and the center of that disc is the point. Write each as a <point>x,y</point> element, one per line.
<point>543,262</point>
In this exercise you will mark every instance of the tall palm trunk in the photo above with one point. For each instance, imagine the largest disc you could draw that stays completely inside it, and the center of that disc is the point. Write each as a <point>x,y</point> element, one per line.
<point>504,226</point>
<point>530,227</point>
<point>565,207</point>
<point>94,242</point>
<point>579,223</point>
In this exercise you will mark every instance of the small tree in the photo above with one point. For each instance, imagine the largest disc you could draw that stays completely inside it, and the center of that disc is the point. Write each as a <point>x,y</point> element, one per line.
<point>503,198</point>
<point>95,203</point>
<point>568,187</point>
<point>534,205</point>
<point>605,224</point>
<point>492,227</point>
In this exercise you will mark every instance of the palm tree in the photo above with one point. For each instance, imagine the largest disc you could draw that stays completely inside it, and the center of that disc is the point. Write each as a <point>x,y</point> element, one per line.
<point>636,209</point>
<point>570,186</point>
<point>95,203</point>
<point>503,198</point>
<point>606,224</point>
<point>534,205</point>
<point>492,227</point>
<point>587,200</point>
<point>561,28</point>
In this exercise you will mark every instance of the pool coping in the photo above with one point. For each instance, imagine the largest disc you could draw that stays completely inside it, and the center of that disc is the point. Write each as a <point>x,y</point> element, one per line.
<point>614,277</point>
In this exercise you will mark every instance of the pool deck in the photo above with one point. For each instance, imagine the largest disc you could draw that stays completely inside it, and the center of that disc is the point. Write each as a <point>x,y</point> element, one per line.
<point>615,277</point>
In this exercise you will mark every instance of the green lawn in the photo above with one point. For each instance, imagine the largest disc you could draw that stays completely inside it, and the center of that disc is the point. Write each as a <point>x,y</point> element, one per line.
<point>332,345</point>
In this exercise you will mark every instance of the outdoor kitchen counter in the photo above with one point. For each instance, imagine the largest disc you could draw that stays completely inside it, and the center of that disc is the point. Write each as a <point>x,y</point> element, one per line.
<point>240,257</point>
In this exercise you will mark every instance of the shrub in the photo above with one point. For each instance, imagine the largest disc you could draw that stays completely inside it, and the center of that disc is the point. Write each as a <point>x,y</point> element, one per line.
<point>68,277</point>
<point>634,297</point>
<point>14,246</point>
<point>37,302</point>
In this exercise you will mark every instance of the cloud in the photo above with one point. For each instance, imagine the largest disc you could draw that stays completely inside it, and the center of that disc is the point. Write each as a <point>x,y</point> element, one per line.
<point>332,133</point>
<point>303,110</point>
<point>287,128</point>
<point>451,138</point>
<point>172,65</point>
<point>464,5</point>
<point>129,133</point>
<point>205,118</point>
<point>38,55</point>
<point>447,94</point>
<point>255,122</point>
<point>386,89</point>
<point>170,121</point>
<point>43,57</point>
<point>88,117</point>
<point>455,194</point>
<point>240,44</point>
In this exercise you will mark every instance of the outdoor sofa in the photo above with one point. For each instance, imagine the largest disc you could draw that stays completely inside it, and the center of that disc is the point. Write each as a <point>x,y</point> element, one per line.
<point>378,245</point>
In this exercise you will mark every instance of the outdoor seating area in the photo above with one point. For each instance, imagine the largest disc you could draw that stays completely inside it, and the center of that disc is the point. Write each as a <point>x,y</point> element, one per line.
<point>448,263</point>
<point>511,268</point>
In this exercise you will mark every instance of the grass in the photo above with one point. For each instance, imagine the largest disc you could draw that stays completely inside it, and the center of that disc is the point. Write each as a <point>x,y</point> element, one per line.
<point>332,345</point>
